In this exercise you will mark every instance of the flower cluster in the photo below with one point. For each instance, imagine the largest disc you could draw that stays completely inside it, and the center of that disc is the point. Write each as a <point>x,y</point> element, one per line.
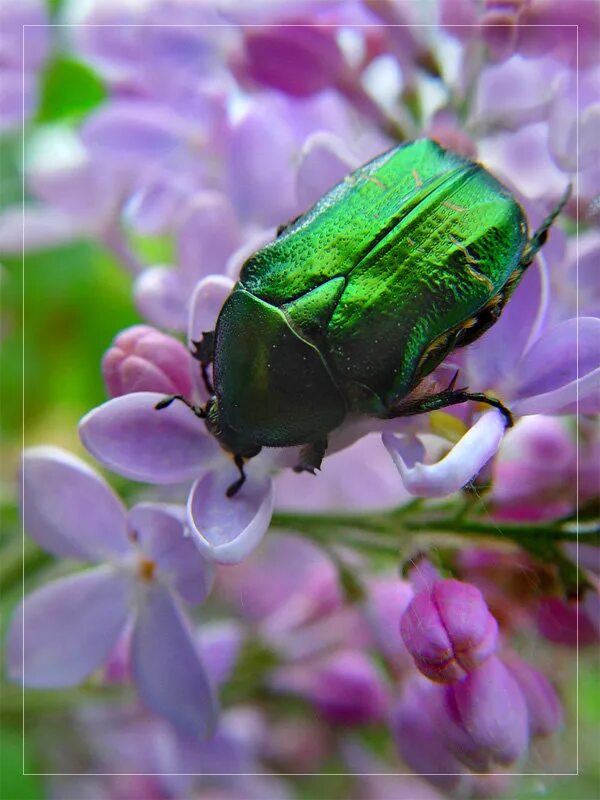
<point>218,123</point>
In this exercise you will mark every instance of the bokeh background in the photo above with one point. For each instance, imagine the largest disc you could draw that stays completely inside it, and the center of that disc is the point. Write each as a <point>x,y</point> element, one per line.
<point>66,298</point>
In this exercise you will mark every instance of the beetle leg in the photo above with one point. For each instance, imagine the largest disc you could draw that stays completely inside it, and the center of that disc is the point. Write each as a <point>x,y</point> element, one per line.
<point>311,457</point>
<point>204,352</point>
<point>237,484</point>
<point>451,397</point>
<point>166,402</point>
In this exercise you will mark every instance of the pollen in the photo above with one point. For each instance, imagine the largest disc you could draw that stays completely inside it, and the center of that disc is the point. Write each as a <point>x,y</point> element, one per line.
<point>147,569</point>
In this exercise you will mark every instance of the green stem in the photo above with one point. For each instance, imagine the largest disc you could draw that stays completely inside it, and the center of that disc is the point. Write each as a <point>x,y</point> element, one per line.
<point>379,527</point>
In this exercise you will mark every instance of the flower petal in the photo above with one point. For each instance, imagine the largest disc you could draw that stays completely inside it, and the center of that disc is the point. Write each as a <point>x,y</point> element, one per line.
<point>207,236</point>
<point>259,179</point>
<point>486,722</point>
<point>69,509</point>
<point>161,297</point>
<point>227,529</point>
<point>131,437</point>
<point>135,132</point>
<point>166,666</point>
<point>355,478</point>
<point>207,301</point>
<point>69,627</point>
<point>221,642</point>
<point>163,538</point>
<point>457,468</point>
<point>324,161</point>
<point>564,361</point>
<point>492,359</point>
<point>37,227</point>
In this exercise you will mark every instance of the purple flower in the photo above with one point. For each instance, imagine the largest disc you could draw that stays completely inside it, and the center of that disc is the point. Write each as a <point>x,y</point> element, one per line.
<point>480,722</point>
<point>345,687</point>
<point>532,27</point>
<point>537,369</point>
<point>449,630</point>
<point>23,51</point>
<point>418,737</point>
<point>144,567</point>
<point>566,623</point>
<point>387,600</point>
<point>533,368</point>
<point>207,233</point>
<point>543,706</point>
<point>144,359</point>
<point>300,60</point>
<point>484,717</point>
<point>131,437</point>
<point>457,468</point>
<point>530,476</point>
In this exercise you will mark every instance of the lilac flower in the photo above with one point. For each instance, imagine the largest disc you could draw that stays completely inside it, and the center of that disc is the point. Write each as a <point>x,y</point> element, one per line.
<point>143,756</point>
<point>23,51</point>
<point>345,687</point>
<point>419,740</point>
<point>530,475</point>
<point>484,717</point>
<point>480,722</point>
<point>131,437</point>
<point>543,706</point>
<point>533,27</point>
<point>144,359</point>
<point>301,60</point>
<point>533,369</point>
<point>145,567</point>
<point>449,630</point>
<point>566,623</point>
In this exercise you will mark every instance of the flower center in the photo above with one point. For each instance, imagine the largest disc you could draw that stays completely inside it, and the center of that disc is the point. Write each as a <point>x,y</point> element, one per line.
<point>146,569</point>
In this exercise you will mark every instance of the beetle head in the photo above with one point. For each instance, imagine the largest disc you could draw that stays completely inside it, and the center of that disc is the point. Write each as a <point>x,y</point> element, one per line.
<point>229,439</point>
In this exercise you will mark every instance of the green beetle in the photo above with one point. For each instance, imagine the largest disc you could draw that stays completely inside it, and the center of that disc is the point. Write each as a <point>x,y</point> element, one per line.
<point>357,300</point>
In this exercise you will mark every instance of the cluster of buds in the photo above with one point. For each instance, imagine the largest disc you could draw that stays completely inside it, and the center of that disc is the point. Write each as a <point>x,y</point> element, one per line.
<point>478,708</point>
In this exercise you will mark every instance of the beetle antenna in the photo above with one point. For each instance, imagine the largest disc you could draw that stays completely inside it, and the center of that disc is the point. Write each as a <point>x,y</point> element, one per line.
<point>237,485</point>
<point>541,234</point>
<point>166,402</point>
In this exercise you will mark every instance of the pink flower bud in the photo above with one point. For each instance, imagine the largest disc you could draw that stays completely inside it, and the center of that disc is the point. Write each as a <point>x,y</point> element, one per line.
<point>485,720</point>
<point>449,630</point>
<point>565,623</point>
<point>543,706</point>
<point>142,359</point>
<point>301,60</point>
<point>346,688</point>
<point>418,735</point>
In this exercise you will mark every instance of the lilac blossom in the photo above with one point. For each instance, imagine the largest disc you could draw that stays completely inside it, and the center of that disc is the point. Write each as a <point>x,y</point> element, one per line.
<point>345,688</point>
<point>25,42</point>
<point>144,359</point>
<point>301,60</point>
<point>449,630</point>
<point>477,723</point>
<point>144,567</point>
<point>534,369</point>
<point>534,27</point>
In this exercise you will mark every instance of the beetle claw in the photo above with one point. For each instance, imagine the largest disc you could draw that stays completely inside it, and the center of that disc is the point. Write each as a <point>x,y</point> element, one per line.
<point>166,402</point>
<point>452,383</point>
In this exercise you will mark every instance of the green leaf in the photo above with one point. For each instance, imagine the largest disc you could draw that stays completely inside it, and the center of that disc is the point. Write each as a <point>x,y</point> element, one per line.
<point>14,785</point>
<point>69,90</point>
